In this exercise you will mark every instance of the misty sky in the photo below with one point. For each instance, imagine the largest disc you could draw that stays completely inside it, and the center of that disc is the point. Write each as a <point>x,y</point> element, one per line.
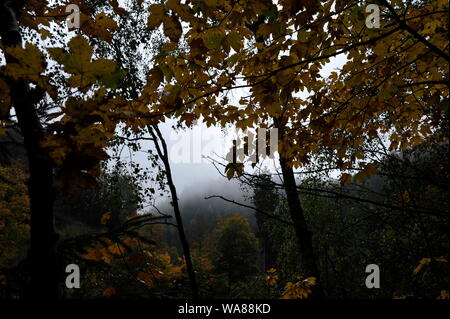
<point>189,175</point>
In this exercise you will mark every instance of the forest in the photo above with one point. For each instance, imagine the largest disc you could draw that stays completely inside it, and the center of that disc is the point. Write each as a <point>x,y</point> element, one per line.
<point>335,184</point>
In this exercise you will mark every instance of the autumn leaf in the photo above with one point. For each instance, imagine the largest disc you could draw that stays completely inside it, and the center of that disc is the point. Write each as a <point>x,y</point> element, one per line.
<point>78,62</point>
<point>155,77</point>
<point>108,292</point>
<point>30,62</point>
<point>29,65</point>
<point>188,118</point>
<point>115,249</point>
<point>234,168</point>
<point>172,28</point>
<point>265,30</point>
<point>106,256</point>
<point>117,9</point>
<point>45,34</point>
<point>92,254</point>
<point>271,278</point>
<point>146,278</point>
<point>100,26</point>
<point>441,259</point>
<point>213,38</point>
<point>156,17</point>
<point>423,262</point>
<point>235,40</point>
<point>105,217</point>
<point>299,290</point>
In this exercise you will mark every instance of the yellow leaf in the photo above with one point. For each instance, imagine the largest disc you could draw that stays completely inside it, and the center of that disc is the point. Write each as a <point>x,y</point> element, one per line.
<point>106,257</point>
<point>213,38</point>
<point>188,118</point>
<point>423,263</point>
<point>235,40</point>
<point>45,34</point>
<point>78,63</point>
<point>271,278</point>
<point>155,77</point>
<point>30,62</point>
<point>265,30</point>
<point>156,17</point>
<point>100,26</point>
<point>115,249</point>
<point>172,28</point>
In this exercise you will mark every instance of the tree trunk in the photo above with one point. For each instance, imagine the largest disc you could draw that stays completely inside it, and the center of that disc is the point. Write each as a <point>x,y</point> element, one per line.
<point>41,257</point>
<point>304,236</point>
<point>176,209</point>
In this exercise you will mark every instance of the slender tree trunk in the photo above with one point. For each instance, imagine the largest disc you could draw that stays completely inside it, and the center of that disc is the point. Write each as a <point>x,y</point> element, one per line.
<point>42,253</point>
<point>304,236</point>
<point>173,191</point>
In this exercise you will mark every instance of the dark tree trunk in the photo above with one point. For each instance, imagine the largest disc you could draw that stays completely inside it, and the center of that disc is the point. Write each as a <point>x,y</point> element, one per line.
<point>41,258</point>
<point>307,260</point>
<point>162,152</point>
<point>304,236</point>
